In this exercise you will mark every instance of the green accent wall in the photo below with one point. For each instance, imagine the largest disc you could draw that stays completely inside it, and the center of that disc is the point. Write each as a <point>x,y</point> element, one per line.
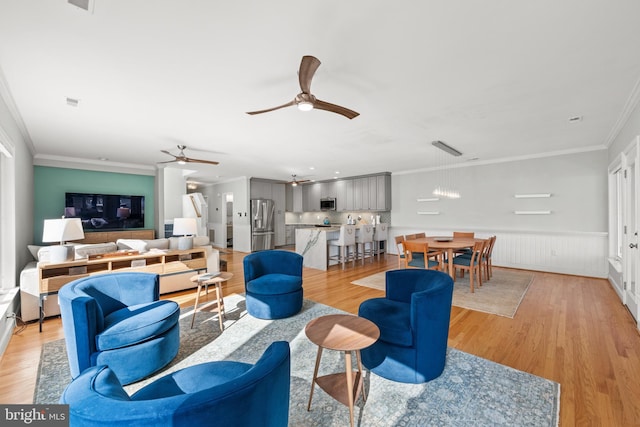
<point>51,184</point>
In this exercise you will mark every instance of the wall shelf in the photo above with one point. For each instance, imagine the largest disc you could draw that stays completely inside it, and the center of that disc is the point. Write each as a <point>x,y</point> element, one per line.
<point>532,212</point>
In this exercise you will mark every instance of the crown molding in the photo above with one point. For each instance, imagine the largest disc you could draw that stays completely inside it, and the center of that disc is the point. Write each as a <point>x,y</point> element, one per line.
<point>6,96</point>
<point>623,118</point>
<point>91,164</point>
<point>468,164</point>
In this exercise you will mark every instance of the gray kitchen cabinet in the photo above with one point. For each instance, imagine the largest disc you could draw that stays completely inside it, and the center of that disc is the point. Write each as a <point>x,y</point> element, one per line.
<point>328,190</point>
<point>311,195</point>
<point>383,187</point>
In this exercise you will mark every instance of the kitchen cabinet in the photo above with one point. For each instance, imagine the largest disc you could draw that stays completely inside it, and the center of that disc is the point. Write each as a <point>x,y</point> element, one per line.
<point>328,190</point>
<point>293,198</point>
<point>311,195</point>
<point>361,194</point>
<point>383,198</point>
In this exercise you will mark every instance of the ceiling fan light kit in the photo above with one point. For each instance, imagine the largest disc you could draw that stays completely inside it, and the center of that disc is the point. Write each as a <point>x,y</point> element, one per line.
<point>305,101</point>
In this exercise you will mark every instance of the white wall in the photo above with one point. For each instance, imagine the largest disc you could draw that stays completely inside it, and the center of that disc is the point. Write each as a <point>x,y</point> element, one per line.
<point>241,225</point>
<point>19,233</point>
<point>572,239</point>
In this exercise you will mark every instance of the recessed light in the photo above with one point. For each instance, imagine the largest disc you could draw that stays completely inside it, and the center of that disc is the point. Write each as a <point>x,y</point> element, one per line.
<point>104,159</point>
<point>311,168</point>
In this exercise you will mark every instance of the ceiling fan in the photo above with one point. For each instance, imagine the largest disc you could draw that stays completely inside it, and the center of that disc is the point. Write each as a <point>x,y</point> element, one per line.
<point>305,100</point>
<point>295,181</point>
<point>182,159</point>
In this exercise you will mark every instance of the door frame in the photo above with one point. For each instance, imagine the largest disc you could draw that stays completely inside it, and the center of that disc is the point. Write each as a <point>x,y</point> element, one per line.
<point>631,221</point>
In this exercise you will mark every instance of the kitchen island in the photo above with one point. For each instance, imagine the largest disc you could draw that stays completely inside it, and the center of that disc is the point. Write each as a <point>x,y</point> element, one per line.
<point>311,243</point>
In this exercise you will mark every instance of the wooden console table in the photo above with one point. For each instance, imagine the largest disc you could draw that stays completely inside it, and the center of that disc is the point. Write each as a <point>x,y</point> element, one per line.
<point>51,277</point>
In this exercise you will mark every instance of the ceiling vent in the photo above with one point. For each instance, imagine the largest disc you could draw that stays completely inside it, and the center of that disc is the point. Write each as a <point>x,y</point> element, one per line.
<point>444,147</point>
<point>82,4</point>
<point>72,102</point>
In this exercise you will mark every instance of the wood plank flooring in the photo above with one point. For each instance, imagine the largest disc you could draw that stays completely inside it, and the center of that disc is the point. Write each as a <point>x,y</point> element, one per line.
<point>569,329</point>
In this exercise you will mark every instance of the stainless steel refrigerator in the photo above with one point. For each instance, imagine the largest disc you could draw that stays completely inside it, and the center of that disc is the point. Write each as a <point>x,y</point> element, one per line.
<point>262,233</point>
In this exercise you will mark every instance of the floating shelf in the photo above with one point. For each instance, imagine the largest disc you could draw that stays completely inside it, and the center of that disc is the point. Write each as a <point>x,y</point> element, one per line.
<point>432,199</point>
<point>532,212</point>
<point>428,213</point>
<point>532,196</point>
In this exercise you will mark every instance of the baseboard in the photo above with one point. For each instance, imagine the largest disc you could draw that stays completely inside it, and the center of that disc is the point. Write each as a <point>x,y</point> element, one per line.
<point>9,303</point>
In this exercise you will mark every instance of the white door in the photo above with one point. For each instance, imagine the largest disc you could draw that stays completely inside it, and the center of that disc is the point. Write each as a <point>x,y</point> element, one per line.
<point>631,253</point>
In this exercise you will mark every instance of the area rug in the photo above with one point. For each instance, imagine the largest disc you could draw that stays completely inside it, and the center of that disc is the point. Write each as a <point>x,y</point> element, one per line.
<point>471,391</point>
<point>501,295</point>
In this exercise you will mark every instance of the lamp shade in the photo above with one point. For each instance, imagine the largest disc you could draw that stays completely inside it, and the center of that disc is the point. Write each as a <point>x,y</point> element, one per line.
<point>62,230</point>
<point>184,227</point>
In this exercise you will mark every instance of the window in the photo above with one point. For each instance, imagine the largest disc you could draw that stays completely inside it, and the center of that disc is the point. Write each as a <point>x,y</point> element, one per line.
<point>6,217</point>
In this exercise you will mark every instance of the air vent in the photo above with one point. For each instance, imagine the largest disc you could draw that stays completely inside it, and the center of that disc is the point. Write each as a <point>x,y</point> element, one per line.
<point>71,102</point>
<point>444,147</point>
<point>82,4</point>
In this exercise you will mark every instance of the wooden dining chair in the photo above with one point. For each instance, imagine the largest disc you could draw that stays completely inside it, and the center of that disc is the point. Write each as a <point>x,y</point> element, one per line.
<point>487,257</point>
<point>463,235</point>
<point>416,255</point>
<point>472,264</point>
<point>410,236</point>
<point>399,241</point>
<point>420,235</point>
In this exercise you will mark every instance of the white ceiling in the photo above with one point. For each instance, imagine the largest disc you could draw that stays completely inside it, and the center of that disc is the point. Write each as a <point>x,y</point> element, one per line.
<point>495,79</point>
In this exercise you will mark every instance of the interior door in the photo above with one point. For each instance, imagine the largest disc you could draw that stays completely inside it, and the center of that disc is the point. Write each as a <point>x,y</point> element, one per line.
<point>631,254</point>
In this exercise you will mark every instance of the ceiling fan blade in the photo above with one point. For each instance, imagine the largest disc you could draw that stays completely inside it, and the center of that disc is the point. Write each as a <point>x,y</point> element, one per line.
<point>288,104</point>
<point>168,161</point>
<point>208,162</point>
<point>321,105</point>
<point>308,68</point>
<point>166,152</point>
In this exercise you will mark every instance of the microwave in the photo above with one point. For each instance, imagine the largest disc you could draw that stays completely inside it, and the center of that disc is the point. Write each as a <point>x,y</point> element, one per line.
<point>328,204</point>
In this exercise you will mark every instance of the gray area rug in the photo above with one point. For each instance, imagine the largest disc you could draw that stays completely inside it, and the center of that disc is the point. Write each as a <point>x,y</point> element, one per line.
<point>501,295</point>
<point>471,392</point>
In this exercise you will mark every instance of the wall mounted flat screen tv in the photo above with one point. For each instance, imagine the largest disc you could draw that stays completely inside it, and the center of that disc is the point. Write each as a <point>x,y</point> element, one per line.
<point>105,211</point>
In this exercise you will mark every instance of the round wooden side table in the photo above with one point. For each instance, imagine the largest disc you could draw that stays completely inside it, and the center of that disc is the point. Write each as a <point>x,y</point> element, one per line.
<point>204,280</point>
<point>342,332</point>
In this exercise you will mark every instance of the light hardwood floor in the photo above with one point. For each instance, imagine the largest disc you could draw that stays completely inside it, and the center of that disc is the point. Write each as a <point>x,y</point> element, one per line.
<point>569,329</point>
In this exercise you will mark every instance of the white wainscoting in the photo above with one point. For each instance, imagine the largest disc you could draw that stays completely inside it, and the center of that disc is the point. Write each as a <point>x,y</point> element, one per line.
<point>578,253</point>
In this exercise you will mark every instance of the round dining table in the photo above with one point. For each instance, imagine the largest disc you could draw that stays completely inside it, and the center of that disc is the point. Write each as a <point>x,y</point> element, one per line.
<point>449,244</point>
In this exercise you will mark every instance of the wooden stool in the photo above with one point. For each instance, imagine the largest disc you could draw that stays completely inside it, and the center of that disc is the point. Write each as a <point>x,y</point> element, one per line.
<point>206,280</point>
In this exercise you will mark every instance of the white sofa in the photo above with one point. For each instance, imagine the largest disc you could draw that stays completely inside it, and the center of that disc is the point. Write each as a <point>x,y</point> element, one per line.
<point>29,288</point>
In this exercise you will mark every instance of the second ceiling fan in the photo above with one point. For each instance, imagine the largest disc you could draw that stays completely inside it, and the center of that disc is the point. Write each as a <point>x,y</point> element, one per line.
<point>305,100</point>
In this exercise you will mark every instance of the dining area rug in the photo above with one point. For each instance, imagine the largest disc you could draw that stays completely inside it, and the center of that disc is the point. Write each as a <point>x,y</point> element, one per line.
<point>471,391</point>
<point>501,295</point>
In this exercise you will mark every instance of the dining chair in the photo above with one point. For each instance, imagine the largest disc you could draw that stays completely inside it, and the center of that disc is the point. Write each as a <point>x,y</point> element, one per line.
<point>416,254</point>
<point>420,235</point>
<point>410,236</point>
<point>463,235</point>
<point>472,264</point>
<point>399,245</point>
<point>487,257</point>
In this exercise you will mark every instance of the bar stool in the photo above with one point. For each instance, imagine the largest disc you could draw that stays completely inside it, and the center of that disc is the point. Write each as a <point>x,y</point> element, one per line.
<point>364,237</point>
<point>347,239</point>
<point>380,235</point>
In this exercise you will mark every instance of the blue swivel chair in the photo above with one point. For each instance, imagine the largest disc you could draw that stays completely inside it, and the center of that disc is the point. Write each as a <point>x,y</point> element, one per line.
<point>413,319</point>
<point>118,320</point>
<point>221,393</point>
<point>273,283</point>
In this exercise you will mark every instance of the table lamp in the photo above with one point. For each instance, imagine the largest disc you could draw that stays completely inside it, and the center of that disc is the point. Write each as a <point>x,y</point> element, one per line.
<point>186,228</point>
<point>61,230</point>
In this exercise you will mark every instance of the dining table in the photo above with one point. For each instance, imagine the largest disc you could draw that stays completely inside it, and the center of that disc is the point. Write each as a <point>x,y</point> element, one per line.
<point>449,244</point>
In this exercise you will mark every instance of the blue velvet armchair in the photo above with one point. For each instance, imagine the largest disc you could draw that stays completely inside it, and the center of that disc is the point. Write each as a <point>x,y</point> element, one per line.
<point>215,393</point>
<point>273,283</point>
<point>413,319</point>
<point>118,320</point>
